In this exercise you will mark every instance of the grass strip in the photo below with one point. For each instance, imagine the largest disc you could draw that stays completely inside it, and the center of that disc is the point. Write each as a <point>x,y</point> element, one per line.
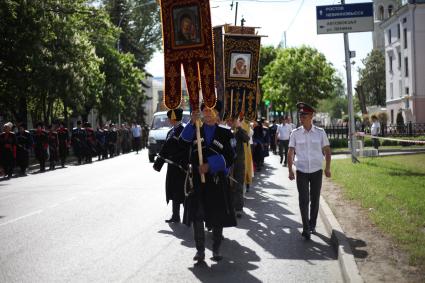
<point>392,189</point>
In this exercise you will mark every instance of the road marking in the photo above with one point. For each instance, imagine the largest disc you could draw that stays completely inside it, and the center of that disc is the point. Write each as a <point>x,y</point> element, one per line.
<point>21,217</point>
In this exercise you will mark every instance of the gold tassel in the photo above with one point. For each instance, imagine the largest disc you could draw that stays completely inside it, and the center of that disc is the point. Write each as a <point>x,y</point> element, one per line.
<point>173,115</point>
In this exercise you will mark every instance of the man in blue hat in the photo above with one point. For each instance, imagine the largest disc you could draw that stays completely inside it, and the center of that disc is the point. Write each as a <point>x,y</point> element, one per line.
<point>310,144</point>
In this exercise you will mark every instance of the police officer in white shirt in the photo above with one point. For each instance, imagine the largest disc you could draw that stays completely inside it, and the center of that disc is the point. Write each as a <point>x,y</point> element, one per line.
<point>309,144</point>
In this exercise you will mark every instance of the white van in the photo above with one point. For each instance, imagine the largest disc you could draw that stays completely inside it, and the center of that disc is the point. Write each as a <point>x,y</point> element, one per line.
<point>158,132</point>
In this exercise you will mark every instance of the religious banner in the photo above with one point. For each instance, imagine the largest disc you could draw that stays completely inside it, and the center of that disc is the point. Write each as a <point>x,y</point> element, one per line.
<point>187,41</point>
<point>219,63</point>
<point>241,63</point>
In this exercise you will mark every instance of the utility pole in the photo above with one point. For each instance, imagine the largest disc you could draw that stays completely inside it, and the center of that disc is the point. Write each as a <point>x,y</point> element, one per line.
<point>236,14</point>
<point>351,124</point>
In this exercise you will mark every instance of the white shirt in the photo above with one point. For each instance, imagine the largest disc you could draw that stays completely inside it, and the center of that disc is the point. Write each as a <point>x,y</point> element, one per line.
<point>308,147</point>
<point>136,131</point>
<point>284,131</point>
<point>374,130</point>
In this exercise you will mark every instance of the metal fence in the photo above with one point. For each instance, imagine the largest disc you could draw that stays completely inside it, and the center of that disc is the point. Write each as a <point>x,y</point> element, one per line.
<point>404,130</point>
<point>391,130</point>
<point>336,132</point>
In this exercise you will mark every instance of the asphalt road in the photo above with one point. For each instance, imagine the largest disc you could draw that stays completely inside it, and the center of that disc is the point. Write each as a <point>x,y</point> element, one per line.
<point>104,222</point>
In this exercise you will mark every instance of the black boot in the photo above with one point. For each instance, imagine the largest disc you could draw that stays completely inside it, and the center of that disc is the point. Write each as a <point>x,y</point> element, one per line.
<point>217,237</point>
<point>176,213</point>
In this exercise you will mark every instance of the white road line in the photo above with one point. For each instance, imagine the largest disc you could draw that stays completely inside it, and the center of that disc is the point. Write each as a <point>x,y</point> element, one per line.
<point>21,217</point>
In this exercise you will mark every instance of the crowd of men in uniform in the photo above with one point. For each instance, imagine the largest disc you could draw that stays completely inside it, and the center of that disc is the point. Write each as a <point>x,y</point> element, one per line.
<point>52,144</point>
<point>211,187</point>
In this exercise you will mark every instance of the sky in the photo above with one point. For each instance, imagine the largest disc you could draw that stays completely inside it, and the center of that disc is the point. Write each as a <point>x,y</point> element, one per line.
<point>298,19</point>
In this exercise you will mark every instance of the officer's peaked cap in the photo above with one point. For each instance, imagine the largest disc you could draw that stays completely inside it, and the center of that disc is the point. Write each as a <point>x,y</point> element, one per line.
<point>304,108</point>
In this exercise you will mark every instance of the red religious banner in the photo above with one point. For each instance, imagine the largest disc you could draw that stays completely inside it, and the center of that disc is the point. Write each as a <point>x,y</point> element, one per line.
<point>241,64</point>
<point>187,40</point>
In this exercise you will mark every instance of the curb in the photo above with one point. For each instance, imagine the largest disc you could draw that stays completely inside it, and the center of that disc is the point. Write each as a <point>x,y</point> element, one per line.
<point>349,269</point>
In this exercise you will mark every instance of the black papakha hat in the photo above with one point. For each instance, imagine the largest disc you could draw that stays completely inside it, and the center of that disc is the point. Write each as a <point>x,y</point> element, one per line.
<point>305,108</point>
<point>175,114</point>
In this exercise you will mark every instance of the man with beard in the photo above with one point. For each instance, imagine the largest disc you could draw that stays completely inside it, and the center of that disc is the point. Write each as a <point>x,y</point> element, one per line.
<point>210,202</point>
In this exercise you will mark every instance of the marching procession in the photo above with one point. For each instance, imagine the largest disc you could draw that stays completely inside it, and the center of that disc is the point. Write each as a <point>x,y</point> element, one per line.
<point>21,148</point>
<point>216,201</point>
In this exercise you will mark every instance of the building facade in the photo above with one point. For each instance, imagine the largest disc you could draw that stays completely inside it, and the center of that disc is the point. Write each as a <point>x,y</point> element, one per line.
<point>383,9</point>
<point>404,41</point>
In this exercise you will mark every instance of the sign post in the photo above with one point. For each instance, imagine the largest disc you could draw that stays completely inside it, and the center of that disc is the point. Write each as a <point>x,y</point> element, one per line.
<point>345,19</point>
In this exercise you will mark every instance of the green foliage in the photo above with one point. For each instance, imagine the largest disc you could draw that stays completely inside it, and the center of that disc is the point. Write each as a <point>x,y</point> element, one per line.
<point>337,103</point>
<point>298,74</point>
<point>372,78</point>
<point>338,143</point>
<point>60,56</point>
<point>140,25</point>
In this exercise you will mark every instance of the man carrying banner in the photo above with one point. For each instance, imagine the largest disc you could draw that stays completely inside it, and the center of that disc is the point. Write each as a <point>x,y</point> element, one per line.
<point>210,202</point>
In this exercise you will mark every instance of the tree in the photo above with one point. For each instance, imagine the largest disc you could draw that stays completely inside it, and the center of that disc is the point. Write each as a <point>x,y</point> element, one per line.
<point>141,27</point>
<point>298,74</point>
<point>337,103</point>
<point>372,78</point>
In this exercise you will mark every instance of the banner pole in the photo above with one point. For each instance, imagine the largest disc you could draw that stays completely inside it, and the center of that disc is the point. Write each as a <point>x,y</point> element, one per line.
<point>198,139</point>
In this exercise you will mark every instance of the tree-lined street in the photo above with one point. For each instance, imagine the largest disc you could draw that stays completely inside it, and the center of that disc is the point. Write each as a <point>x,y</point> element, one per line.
<point>104,222</point>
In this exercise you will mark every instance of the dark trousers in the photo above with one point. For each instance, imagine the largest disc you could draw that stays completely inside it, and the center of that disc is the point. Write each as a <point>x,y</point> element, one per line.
<point>176,210</point>
<point>136,144</point>
<point>199,231</point>
<point>376,143</point>
<point>283,149</point>
<point>309,186</point>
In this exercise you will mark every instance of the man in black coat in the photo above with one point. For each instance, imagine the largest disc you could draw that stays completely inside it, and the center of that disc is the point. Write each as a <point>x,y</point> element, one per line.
<point>210,202</point>
<point>78,140</point>
<point>41,145</point>
<point>63,136</point>
<point>7,150</point>
<point>24,143</point>
<point>171,150</point>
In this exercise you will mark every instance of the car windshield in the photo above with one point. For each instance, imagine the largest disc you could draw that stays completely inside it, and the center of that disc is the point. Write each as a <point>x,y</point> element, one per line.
<point>161,121</point>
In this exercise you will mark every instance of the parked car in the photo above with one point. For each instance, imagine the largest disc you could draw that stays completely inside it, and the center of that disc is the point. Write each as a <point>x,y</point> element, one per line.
<point>158,132</point>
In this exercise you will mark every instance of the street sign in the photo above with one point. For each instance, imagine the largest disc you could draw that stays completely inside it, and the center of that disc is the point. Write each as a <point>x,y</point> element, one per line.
<point>344,18</point>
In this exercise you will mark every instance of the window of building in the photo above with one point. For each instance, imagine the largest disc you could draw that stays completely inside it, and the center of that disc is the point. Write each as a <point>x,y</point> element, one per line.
<point>381,13</point>
<point>398,31</point>
<point>400,88</point>
<point>405,37</point>
<point>392,116</point>
<point>389,36</point>
<point>399,60</point>
<point>390,10</point>
<point>404,20</point>
<point>406,66</point>
<point>390,62</point>
<point>407,90</point>
<point>391,91</point>
<point>407,105</point>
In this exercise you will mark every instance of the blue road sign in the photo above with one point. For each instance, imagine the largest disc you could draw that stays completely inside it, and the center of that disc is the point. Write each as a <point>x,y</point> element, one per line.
<point>344,18</point>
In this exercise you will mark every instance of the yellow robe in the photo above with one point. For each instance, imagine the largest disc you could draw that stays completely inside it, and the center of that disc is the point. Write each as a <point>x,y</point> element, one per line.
<point>248,155</point>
